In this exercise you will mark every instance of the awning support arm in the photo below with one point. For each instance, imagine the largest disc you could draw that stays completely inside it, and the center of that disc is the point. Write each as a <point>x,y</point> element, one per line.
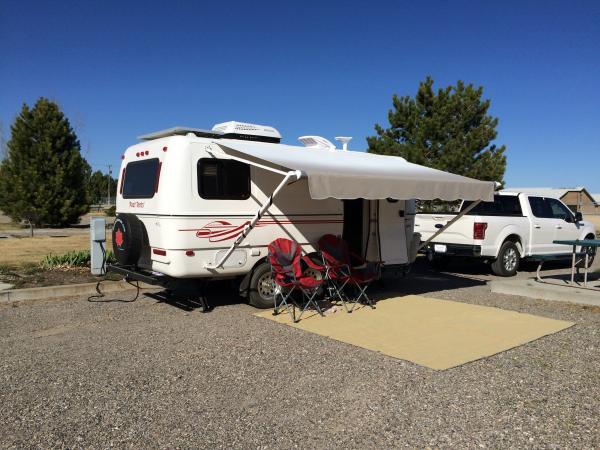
<point>295,175</point>
<point>445,227</point>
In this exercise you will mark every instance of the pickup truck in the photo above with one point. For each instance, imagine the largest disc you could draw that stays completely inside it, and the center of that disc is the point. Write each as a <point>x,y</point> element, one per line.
<point>515,225</point>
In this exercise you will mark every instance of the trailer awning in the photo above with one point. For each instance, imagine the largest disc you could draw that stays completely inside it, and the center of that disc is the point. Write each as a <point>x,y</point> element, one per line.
<point>351,174</point>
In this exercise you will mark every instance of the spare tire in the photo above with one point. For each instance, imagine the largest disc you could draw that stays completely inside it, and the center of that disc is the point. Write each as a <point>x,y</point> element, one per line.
<point>128,239</point>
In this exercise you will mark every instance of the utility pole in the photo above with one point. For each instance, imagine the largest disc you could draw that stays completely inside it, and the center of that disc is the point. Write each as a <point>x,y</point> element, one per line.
<point>108,182</point>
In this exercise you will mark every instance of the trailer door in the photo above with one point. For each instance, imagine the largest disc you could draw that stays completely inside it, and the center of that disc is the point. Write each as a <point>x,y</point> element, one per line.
<point>392,232</point>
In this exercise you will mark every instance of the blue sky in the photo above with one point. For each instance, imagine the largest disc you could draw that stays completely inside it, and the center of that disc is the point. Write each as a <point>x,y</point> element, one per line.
<point>120,69</point>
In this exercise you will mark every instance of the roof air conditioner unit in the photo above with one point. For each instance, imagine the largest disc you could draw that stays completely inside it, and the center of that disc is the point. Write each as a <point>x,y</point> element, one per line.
<point>248,131</point>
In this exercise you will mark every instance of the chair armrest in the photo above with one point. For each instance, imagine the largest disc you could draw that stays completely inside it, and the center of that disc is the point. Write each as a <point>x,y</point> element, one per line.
<point>310,263</point>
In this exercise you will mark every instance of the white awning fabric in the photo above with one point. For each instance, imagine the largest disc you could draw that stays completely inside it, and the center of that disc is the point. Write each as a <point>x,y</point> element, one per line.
<point>352,174</point>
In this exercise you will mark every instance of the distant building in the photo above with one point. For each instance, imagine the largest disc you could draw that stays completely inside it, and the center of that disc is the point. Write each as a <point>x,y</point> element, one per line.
<point>576,198</point>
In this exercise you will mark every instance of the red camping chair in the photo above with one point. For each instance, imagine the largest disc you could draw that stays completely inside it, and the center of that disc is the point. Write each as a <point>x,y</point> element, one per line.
<point>340,270</point>
<point>285,257</point>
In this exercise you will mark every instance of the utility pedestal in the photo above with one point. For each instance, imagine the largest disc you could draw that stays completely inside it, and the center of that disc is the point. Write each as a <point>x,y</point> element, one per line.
<point>98,245</point>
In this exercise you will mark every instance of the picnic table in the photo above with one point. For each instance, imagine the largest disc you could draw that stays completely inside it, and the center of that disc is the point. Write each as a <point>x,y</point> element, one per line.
<point>588,244</point>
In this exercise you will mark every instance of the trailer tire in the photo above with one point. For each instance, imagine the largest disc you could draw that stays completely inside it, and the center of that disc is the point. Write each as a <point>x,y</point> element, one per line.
<point>507,262</point>
<point>128,239</point>
<point>262,287</point>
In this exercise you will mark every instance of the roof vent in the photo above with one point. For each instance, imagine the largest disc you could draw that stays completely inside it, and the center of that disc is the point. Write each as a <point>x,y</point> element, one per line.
<point>248,131</point>
<point>317,142</point>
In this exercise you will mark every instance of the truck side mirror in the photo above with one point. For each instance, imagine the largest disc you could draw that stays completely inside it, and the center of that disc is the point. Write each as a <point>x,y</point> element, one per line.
<point>578,217</point>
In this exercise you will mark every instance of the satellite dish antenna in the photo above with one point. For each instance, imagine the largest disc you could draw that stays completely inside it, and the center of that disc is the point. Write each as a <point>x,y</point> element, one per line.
<point>344,140</point>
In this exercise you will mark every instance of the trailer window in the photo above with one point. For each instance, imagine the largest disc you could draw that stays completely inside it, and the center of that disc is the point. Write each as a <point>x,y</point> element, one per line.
<point>140,179</point>
<point>223,179</point>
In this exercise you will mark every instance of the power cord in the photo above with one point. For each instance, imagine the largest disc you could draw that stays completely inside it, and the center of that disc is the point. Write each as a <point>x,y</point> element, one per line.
<point>94,298</point>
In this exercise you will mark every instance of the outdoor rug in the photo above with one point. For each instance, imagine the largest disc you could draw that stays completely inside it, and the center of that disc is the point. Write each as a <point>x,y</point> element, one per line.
<point>438,334</point>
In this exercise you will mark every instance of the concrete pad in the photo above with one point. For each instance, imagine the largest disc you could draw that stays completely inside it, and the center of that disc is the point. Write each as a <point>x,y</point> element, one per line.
<point>4,286</point>
<point>438,334</point>
<point>530,287</point>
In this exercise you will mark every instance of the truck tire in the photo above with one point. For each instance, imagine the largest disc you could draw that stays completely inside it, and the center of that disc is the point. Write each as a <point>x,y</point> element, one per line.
<point>128,239</point>
<point>262,287</point>
<point>437,262</point>
<point>507,263</point>
<point>591,251</point>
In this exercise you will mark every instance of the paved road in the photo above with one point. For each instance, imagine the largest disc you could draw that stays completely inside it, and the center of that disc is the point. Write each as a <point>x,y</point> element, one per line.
<point>154,374</point>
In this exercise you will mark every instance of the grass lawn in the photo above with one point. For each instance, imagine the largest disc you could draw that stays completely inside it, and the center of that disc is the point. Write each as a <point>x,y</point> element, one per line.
<point>17,252</point>
<point>9,226</point>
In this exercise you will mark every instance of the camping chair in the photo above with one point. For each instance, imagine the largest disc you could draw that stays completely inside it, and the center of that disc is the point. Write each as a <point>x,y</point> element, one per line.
<point>340,271</point>
<point>285,257</point>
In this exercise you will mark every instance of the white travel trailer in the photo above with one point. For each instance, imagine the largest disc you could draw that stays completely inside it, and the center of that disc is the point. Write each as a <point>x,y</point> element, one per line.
<point>196,204</point>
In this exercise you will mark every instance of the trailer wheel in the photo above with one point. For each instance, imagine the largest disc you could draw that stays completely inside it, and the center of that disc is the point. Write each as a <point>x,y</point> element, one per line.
<point>507,263</point>
<point>262,287</point>
<point>128,239</point>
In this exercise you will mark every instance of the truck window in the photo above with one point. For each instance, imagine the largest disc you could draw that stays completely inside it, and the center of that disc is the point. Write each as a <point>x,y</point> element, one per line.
<point>140,178</point>
<point>223,179</point>
<point>540,208</point>
<point>559,211</point>
<point>503,205</point>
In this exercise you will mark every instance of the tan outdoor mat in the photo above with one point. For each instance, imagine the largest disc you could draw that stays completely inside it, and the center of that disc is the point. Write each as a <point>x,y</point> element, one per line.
<point>439,334</point>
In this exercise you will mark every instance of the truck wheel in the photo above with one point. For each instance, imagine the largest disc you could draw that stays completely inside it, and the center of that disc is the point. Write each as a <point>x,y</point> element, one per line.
<point>128,239</point>
<point>507,263</point>
<point>262,287</point>
<point>591,251</point>
<point>437,262</point>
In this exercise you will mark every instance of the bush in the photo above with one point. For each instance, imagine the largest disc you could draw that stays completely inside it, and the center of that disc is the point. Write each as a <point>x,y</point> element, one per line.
<point>74,258</point>
<point>111,212</point>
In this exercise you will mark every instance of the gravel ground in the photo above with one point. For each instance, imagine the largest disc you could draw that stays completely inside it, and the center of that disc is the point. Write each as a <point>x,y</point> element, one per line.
<point>150,374</point>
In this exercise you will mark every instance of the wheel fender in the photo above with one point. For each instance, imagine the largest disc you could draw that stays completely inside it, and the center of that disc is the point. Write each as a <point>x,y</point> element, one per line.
<point>245,283</point>
<point>504,234</point>
<point>587,231</point>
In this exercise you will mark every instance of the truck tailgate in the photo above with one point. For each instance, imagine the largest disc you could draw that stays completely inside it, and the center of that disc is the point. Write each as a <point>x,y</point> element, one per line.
<point>460,232</point>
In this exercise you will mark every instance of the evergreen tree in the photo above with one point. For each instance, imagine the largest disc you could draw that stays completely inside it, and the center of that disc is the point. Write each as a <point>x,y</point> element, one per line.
<point>43,177</point>
<point>449,130</point>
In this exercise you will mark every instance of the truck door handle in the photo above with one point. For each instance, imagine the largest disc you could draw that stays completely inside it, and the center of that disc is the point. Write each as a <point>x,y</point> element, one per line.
<point>558,227</point>
<point>535,225</point>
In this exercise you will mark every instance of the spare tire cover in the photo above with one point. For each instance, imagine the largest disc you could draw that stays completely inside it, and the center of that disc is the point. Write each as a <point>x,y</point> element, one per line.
<point>128,239</point>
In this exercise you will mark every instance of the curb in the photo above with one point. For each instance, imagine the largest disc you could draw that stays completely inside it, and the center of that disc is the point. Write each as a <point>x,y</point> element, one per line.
<point>545,291</point>
<point>69,290</point>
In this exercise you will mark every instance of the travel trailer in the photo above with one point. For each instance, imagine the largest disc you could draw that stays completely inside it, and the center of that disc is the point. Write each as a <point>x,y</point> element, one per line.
<point>195,204</point>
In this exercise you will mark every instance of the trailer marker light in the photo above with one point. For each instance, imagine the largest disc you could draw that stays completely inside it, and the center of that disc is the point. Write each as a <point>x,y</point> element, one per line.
<point>189,253</point>
<point>122,181</point>
<point>164,149</point>
<point>479,230</point>
<point>147,152</point>
<point>157,177</point>
<point>137,154</point>
<point>160,252</point>
<point>122,156</point>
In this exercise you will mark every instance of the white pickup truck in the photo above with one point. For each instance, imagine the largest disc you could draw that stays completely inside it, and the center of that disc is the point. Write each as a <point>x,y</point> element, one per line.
<point>516,225</point>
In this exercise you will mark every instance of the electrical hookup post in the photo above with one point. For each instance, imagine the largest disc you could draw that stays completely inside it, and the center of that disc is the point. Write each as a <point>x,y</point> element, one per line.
<point>98,245</point>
